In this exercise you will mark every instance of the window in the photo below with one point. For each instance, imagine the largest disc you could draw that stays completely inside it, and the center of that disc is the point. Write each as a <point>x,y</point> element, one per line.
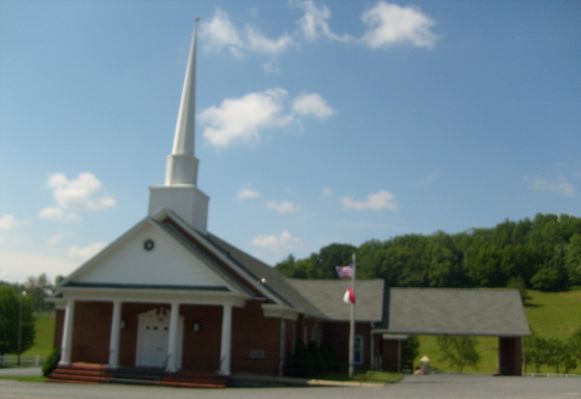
<point>358,350</point>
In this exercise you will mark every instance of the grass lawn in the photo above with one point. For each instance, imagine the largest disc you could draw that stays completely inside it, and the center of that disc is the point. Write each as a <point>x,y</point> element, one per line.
<point>550,314</point>
<point>44,335</point>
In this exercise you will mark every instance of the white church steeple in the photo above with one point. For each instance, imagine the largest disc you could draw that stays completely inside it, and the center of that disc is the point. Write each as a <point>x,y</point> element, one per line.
<point>180,193</point>
<point>182,164</point>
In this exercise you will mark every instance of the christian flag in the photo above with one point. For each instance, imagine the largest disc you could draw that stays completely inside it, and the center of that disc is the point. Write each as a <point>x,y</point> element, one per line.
<point>349,296</point>
<point>344,271</point>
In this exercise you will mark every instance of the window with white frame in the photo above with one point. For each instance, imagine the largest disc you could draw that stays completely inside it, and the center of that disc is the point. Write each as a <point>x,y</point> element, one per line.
<point>358,350</point>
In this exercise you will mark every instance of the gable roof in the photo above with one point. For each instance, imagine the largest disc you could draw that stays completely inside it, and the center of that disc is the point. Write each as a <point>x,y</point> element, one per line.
<point>456,311</point>
<point>91,275</point>
<point>247,266</point>
<point>275,281</point>
<point>326,296</point>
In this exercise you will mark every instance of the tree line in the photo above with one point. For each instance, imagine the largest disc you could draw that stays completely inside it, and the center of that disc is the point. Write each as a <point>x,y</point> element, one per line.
<point>542,253</point>
<point>18,305</point>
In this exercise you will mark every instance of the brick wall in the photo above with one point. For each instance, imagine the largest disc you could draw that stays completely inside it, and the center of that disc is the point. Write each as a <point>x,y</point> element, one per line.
<point>251,331</point>
<point>91,332</point>
<point>58,328</point>
<point>201,349</point>
<point>390,354</point>
<point>255,339</point>
<point>336,334</point>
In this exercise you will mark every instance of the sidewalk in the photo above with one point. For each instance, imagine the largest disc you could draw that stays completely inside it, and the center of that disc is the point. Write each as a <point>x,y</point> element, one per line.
<point>20,371</point>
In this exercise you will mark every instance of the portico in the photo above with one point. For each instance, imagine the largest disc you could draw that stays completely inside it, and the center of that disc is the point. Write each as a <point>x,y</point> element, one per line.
<point>121,314</point>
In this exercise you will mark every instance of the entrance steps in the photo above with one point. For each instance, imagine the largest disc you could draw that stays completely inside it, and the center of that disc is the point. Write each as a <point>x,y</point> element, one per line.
<point>81,373</point>
<point>98,373</point>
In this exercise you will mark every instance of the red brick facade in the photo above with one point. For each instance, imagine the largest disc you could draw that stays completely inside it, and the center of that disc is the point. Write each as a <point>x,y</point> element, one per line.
<point>336,334</point>
<point>255,339</point>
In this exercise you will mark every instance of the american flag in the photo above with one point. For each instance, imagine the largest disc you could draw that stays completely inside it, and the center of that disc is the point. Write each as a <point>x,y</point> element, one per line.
<point>344,271</point>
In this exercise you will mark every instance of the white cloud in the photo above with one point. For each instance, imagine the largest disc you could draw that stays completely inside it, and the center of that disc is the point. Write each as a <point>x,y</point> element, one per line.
<point>58,214</point>
<point>8,222</point>
<point>312,104</point>
<point>220,33</point>
<point>282,243</point>
<point>281,207</point>
<point>56,238</point>
<point>83,253</point>
<point>72,195</point>
<point>259,43</point>
<point>389,24</point>
<point>247,193</point>
<point>245,118</point>
<point>381,200</point>
<point>18,265</point>
<point>561,186</point>
<point>385,24</point>
<point>314,23</point>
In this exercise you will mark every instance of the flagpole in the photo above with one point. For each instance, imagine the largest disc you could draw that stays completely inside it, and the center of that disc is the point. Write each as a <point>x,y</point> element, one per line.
<point>352,324</point>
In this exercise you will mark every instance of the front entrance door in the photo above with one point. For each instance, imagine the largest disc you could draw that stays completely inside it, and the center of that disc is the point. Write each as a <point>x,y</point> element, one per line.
<point>153,337</point>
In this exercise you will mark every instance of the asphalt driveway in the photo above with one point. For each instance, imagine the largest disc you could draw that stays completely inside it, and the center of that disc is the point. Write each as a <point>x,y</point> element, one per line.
<point>432,386</point>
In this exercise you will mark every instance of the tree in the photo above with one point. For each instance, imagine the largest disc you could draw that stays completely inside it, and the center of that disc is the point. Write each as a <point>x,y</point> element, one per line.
<point>548,279</point>
<point>445,268</point>
<point>459,352</point>
<point>9,320</point>
<point>519,283</point>
<point>287,266</point>
<point>535,351</point>
<point>409,351</point>
<point>574,344</point>
<point>37,288</point>
<point>573,259</point>
<point>330,256</point>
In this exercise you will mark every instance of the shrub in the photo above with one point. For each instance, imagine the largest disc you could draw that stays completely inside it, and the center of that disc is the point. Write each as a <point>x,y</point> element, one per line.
<point>519,284</point>
<point>459,352</point>
<point>319,361</point>
<point>409,351</point>
<point>303,363</point>
<point>51,362</point>
<point>547,279</point>
<point>330,357</point>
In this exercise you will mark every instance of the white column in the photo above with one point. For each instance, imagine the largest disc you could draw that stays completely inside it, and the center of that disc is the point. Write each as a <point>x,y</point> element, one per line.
<point>172,345</point>
<point>67,339</point>
<point>226,339</point>
<point>282,347</point>
<point>115,331</point>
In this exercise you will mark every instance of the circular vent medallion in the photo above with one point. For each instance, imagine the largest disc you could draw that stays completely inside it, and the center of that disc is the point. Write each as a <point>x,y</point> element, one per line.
<point>148,244</point>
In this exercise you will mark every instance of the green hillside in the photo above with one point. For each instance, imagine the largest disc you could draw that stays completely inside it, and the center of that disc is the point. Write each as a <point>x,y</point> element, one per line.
<point>554,315</point>
<point>44,335</point>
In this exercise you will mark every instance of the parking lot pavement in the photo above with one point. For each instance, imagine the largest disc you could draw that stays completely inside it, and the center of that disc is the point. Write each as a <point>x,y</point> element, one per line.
<point>432,386</point>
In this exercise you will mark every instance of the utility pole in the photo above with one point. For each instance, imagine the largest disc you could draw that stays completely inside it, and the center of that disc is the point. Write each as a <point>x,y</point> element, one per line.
<point>20,311</point>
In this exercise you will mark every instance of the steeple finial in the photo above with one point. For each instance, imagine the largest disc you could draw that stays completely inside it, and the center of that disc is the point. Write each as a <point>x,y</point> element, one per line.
<point>182,164</point>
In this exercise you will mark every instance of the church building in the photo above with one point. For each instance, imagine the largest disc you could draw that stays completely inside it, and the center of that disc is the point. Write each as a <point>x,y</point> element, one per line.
<point>170,297</point>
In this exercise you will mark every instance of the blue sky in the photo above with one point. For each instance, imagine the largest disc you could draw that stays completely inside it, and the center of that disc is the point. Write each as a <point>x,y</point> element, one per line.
<point>318,121</point>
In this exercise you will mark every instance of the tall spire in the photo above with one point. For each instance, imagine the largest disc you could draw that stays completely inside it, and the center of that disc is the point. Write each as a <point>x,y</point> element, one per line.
<point>181,164</point>
<point>180,193</point>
